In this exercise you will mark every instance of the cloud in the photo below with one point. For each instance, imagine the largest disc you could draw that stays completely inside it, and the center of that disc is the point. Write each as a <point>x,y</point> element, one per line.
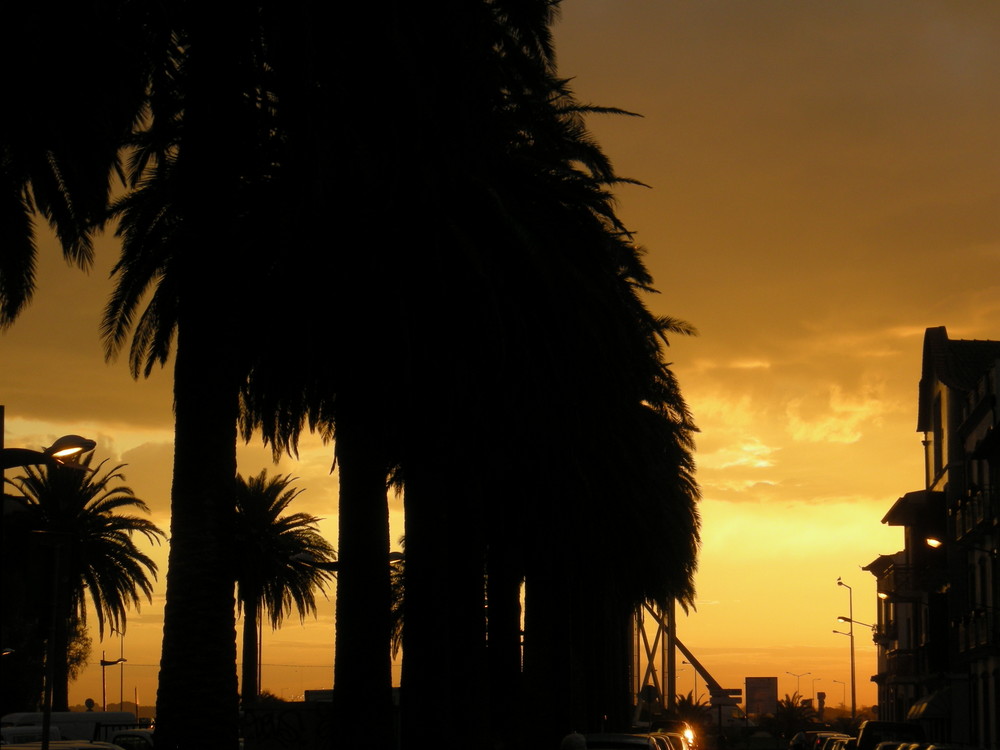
<point>750,452</point>
<point>843,420</point>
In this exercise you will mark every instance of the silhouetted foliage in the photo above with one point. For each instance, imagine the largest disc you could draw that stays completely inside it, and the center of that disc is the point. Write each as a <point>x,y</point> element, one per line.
<point>694,711</point>
<point>85,542</point>
<point>275,556</point>
<point>792,715</point>
<point>470,321</point>
<point>58,166</point>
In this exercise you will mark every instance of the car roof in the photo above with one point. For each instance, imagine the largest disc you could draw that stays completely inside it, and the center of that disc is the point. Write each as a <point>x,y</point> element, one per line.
<point>64,745</point>
<point>619,740</point>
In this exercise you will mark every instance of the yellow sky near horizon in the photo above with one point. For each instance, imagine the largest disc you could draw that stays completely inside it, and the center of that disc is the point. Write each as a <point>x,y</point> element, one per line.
<point>824,186</point>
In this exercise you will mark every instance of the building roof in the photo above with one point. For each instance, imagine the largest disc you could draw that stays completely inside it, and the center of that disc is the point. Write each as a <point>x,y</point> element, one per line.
<point>958,363</point>
<point>915,508</point>
<point>883,563</point>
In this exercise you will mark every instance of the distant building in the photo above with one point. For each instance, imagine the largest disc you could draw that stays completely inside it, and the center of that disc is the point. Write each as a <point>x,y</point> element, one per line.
<point>938,630</point>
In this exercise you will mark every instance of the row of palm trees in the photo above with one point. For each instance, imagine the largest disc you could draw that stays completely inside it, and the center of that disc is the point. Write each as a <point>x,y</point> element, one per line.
<point>388,224</point>
<point>80,521</point>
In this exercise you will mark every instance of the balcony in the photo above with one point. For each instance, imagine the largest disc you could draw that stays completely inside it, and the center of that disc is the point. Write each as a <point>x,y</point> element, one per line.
<point>978,629</point>
<point>885,634</point>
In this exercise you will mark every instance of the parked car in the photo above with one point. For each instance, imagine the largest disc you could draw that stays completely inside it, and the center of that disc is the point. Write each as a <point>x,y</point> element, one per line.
<point>679,726</point>
<point>65,745</point>
<point>830,741</point>
<point>871,733</point>
<point>621,741</point>
<point>79,725</point>
<point>675,740</point>
<point>133,739</point>
<point>26,733</point>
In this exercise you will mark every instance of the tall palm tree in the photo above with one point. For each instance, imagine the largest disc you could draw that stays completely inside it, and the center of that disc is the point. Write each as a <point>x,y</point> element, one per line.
<point>553,278</point>
<point>197,235</point>
<point>89,548</point>
<point>275,562</point>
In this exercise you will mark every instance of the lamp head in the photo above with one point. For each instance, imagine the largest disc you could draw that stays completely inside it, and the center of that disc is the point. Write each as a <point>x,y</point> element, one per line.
<point>933,542</point>
<point>69,448</point>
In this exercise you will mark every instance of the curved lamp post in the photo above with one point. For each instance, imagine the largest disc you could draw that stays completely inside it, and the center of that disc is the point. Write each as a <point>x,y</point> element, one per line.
<point>695,679</point>
<point>105,663</point>
<point>66,451</point>
<point>850,634</point>
<point>798,677</point>
<point>936,543</point>
<point>843,692</point>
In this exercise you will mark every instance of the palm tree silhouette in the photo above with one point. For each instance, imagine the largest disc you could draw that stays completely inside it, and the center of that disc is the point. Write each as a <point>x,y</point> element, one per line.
<point>78,514</point>
<point>513,343</point>
<point>56,167</point>
<point>194,236</point>
<point>275,556</point>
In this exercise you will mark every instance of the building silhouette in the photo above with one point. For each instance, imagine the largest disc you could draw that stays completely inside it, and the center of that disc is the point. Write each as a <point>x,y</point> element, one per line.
<point>938,631</point>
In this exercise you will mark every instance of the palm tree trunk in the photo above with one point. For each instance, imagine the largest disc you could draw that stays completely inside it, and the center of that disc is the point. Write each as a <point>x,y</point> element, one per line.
<point>504,641</point>
<point>444,634</point>
<point>363,667</point>
<point>198,664</point>
<point>251,625</point>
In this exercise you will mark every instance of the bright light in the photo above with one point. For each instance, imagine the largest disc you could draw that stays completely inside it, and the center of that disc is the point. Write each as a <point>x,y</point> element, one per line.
<point>68,446</point>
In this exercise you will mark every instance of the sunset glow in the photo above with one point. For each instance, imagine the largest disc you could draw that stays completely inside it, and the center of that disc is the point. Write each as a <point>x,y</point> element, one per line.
<point>824,185</point>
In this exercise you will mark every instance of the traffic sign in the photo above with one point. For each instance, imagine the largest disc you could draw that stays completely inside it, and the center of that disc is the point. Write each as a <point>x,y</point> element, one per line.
<point>723,692</point>
<point>724,700</point>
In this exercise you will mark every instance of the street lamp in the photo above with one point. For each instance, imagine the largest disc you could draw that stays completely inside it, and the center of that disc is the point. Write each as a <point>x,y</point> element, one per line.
<point>841,618</point>
<point>850,634</point>
<point>65,451</point>
<point>695,679</point>
<point>104,685</point>
<point>843,692</point>
<point>797,678</point>
<point>814,681</point>
<point>936,543</point>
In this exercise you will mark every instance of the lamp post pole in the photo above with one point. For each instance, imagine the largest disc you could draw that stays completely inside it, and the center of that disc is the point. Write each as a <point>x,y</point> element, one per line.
<point>843,692</point>
<point>798,677</point>
<point>693,667</point>
<point>105,663</point>
<point>814,681</point>
<point>850,633</point>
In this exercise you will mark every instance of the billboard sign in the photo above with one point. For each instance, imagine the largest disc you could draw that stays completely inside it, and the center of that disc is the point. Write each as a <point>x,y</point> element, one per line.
<point>761,695</point>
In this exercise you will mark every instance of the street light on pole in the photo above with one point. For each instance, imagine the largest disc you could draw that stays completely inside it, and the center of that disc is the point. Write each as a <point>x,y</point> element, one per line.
<point>843,692</point>
<point>693,667</point>
<point>797,678</point>
<point>65,451</point>
<point>105,663</point>
<point>814,681</point>
<point>850,634</point>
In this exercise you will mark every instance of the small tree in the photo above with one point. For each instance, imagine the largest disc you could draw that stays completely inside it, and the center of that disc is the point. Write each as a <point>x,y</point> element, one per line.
<point>276,556</point>
<point>793,714</point>
<point>85,545</point>
<point>692,710</point>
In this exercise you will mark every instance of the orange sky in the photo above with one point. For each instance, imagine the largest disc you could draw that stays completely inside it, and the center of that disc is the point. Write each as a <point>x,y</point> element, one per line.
<point>824,185</point>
